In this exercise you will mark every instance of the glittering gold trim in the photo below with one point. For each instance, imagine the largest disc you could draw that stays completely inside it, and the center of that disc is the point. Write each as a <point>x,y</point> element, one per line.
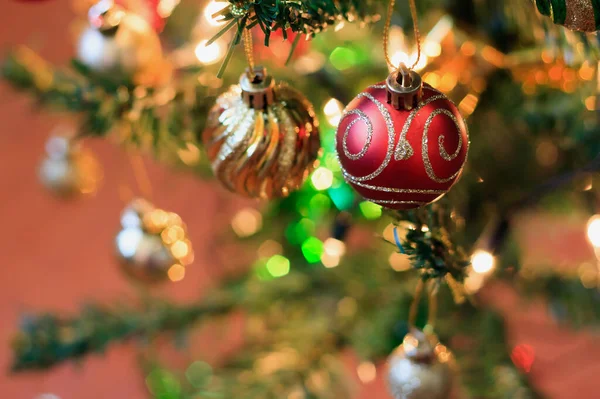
<point>444,155</point>
<point>397,202</point>
<point>391,133</point>
<point>580,15</point>
<point>361,116</point>
<point>393,189</point>
<point>403,150</point>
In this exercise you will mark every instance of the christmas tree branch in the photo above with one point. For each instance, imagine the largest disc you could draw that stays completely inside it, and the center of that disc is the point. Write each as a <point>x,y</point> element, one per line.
<point>158,120</point>
<point>300,16</point>
<point>47,339</point>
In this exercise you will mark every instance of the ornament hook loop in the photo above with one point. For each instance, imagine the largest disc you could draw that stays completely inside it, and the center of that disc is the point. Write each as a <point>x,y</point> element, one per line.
<point>404,88</point>
<point>257,88</point>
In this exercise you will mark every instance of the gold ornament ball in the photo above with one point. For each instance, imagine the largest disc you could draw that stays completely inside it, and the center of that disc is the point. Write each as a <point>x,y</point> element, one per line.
<point>68,168</point>
<point>121,42</point>
<point>153,245</point>
<point>262,138</point>
<point>420,368</point>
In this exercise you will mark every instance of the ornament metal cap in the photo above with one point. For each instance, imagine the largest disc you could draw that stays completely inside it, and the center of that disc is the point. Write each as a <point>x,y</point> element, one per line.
<point>257,88</point>
<point>106,17</point>
<point>404,88</point>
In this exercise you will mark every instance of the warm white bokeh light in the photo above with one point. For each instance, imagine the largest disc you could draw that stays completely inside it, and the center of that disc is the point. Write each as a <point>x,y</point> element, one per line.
<point>208,54</point>
<point>322,178</point>
<point>593,231</point>
<point>482,261</point>
<point>211,9</point>
<point>333,110</point>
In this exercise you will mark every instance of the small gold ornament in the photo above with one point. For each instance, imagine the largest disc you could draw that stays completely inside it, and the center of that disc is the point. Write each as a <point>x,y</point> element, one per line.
<point>262,139</point>
<point>69,169</point>
<point>420,368</point>
<point>119,42</point>
<point>153,245</point>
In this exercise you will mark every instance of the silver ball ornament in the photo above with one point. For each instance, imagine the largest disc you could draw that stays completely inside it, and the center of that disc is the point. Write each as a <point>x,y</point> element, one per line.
<point>420,368</point>
<point>68,168</point>
<point>119,42</point>
<point>152,245</point>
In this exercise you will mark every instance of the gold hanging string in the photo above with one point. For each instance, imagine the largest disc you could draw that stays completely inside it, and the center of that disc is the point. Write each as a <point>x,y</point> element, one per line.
<point>414,306</point>
<point>140,175</point>
<point>432,291</point>
<point>249,50</point>
<point>433,304</point>
<point>386,33</point>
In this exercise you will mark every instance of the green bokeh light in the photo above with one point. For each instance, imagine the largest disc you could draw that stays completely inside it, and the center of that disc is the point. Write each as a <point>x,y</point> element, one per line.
<point>319,205</point>
<point>331,162</point>
<point>199,374</point>
<point>370,210</point>
<point>162,383</point>
<point>342,196</point>
<point>296,233</point>
<point>343,58</point>
<point>278,266</point>
<point>260,269</point>
<point>312,249</point>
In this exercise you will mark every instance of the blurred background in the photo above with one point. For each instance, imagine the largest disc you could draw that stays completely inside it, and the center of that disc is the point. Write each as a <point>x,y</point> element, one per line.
<point>78,324</point>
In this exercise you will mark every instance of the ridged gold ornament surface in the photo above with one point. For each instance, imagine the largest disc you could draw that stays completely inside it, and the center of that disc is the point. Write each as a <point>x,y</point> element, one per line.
<point>263,153</point>
<point>420,368</point>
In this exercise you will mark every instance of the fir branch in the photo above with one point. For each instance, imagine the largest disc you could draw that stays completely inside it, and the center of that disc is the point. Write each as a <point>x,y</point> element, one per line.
<point>429,245</point>
<point>161,121</point>
<point>47,339</point>
<point>301,16</point>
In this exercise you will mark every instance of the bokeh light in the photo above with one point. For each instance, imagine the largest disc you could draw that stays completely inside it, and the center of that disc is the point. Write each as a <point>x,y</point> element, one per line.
<point>333,110</point>
<point>278,265</point>
<point>593,231</point>
<point>208,54</point>
<point>211,9</point>
<point>370,210</point>
<point>246,222</point>
<point>199,374</point>
<point>312,249</point>
<point>176,272</point>
<point>483,262</point>
<point>367,372</point>
<point>342,58</point>
<point>322,178</point>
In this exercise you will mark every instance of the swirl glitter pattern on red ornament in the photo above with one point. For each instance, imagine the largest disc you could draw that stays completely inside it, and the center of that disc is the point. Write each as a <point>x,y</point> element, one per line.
<point>398,158</point>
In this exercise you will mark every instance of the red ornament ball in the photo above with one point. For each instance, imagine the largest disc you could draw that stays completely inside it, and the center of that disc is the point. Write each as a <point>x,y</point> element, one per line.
<point>401,159</point>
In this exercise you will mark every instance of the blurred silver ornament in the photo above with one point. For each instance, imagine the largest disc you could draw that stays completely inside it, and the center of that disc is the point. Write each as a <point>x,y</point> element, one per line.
<point>153,245</point>
<point>68,168</point>
<point>122,42</point>
<point>420,368</point>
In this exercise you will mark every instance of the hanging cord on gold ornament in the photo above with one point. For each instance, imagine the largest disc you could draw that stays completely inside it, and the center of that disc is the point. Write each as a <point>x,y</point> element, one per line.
<point>140,174</point>
<point>386,33</point>
<point>432,291</point>
<point>142,180</point>
<point>249,50</point>
<point>414,306</point>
